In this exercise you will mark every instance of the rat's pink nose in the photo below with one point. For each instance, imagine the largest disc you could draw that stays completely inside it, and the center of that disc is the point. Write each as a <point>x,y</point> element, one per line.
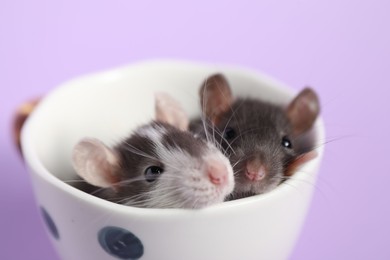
<point>255,171</point>
<point>217,172</point>
<point>255,176</point>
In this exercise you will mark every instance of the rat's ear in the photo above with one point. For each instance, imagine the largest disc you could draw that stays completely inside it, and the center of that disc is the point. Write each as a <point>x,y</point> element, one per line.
<point>303,111</point>
<point>95,163</point>
<point>299,161</point>
<point>168,110</point>
<point>215,97</point>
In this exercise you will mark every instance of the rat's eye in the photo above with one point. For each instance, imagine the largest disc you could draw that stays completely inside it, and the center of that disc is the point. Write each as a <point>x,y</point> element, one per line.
<point>229,133</point>
<point>286,142</point>
<point>152,173</point>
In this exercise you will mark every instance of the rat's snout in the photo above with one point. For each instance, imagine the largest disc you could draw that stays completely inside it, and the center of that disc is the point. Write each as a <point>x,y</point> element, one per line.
<point>255,170</point>
<point>217,172</point>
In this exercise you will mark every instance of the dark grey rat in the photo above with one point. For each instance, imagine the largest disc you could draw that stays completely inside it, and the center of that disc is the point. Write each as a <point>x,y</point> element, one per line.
<point>261,140</point>
<point>160,165</point>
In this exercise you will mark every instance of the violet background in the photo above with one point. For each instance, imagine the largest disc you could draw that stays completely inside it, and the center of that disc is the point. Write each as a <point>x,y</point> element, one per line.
<point>340,47</point>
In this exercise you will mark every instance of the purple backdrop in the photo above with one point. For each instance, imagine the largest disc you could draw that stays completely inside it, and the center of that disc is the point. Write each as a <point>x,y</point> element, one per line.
<point>340,47</point>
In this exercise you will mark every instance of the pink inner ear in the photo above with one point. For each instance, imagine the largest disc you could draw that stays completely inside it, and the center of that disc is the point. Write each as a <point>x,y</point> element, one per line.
<point>303,111</point>
<point>168,110</point>
<point>215,97</point>
<point>95,163</point>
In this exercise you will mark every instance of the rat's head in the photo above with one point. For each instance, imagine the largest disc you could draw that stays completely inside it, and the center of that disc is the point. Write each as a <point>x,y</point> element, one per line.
<point>259,138</point>
<point>160,165</point>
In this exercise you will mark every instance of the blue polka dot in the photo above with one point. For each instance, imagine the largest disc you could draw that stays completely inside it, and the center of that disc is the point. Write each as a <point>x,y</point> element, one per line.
<point>120,243</point>
<point>50,224</point>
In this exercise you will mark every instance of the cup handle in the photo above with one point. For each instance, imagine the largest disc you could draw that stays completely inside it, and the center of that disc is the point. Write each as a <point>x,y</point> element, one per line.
<point>20,116</point>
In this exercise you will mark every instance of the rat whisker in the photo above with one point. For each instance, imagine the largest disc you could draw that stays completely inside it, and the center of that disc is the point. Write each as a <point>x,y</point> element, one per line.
<point>204,106</point>
<point>137,151</point>
<point>99,190</point>
<point>161,200</point>
<point>75,181</point>
<point>238,161</point>
<point>220,144</point>
<point>129,181</point>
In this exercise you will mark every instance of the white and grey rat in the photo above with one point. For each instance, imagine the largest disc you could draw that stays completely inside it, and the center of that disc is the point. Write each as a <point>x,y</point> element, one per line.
<point>160,165</point>
<point>260,139</point>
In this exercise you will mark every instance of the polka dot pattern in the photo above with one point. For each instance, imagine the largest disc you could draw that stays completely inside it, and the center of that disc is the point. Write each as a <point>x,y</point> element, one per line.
<point>120,243</point>
<point>50,224</point>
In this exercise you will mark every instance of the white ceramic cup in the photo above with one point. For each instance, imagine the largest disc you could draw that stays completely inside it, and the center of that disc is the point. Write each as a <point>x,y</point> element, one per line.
<point>107,106</point>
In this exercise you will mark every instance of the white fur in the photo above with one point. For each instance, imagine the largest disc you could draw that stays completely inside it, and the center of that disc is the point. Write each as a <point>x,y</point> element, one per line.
<point>152,133</point>
<point>185,183</point>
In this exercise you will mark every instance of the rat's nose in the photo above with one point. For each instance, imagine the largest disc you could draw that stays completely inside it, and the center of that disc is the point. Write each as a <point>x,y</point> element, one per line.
<point>217,172</point>
<point>255,170</point>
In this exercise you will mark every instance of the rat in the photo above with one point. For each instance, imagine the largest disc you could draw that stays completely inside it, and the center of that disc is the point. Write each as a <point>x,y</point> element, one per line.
<point>263,141</point>
<point>160,165</point>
